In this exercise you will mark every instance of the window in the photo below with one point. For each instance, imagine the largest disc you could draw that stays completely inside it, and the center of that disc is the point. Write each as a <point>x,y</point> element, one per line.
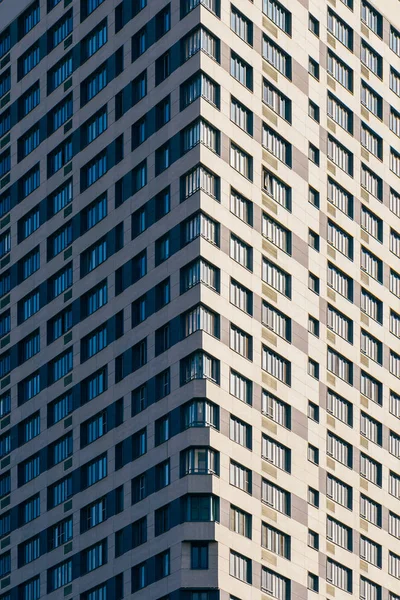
<point>313,154</point>
<point>279,15</point>
<point>201,508</point>
<point>240,477</point>
<point>30,509</point>
<point>275,585</point>
<point>276,453</point>
<point>199,555</point>
<point>60,30</point>
<point>197,179</point>
<point>394,164</point>
<point>371,347</point>
<point>340,324</point>
<point>200,318</point>
<point>340,155</point>
<point>339,449</point>
<point>94,40</point>
<point>339,575</point>
<point>240,432</point>
<point>240,521</point>
<point>371,388</point>
<point>241,71</point>
<point>312,582</point>
<point>277,57</point>
<point>313,454</point>
<point>339,407</point>
<point>199,365</point>
<point>199,86</point>
<point>5,82</point>
<point>200,39</point>
<point>371,141</point>
<point>340,71</point>
<point>394,40</point>
<point>59,73</point>
<point>200,132</point>
<point>340,282</point>
<point>339,492</point>
<point>339,533</point>
<point>372,18</point>
<point>60,575</point>
<point>277,101</point>
<point>60,533</point>
<point>241,161</point>
<point>199,271</point>
<point>241,207</point>
<point>313,68</point>
<point>371,511</point>
<point>94,84</point>
<point>277,321</point>
<point>240,567</point>
<point>95,470</point>
<point>313,283</point>
<point>240,387</point>
<point>340,29</point>
<point>370,469</point>
<point>277,145</point>
<point>201,413</point>
<point>28,60</point>
<point>276,233</point>
<point>276,365</point>
<point>276,278</point>
<point>277,190</point>
<point>371,264</point>
<point>241,25</point>
<point>371,100</point>
<point>371,59</point>
<point>340,113</point>
<point>31,589</point>
<point>275,541</point>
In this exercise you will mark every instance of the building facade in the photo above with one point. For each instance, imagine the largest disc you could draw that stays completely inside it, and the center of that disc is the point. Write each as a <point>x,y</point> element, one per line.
<point>199,299</point>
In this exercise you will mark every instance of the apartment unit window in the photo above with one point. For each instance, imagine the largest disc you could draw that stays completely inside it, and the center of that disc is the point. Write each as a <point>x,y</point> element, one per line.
<point>276,453</point>
<point>277,57</point>
<point>276,233</point>
<point>275,585</point>
<point>240,387</point>
<point>277,190</point>
<point>339,491</point>
<point>339,575</point>
<point>278,14</point>
<point>372,18</point>
<point>371,388</point>
<point>394,323</point>
<point>61,30</point>
<point>371,346</point>
<point>394,484</point>
<point>371,264</point>
<point>340,198</point>
<point>200,132</point>
<point>240,432</point>
<point>340,366</point>
<point>199,365</point>
<point>94,40</point>
<point>199,271</point>
<point>200,178</point>
<point>313,454</point>
<point>394,41</point>
<point>276,278</point>
<point>340,113</point>
<point>240,522</point>
<point>371,100</point>
<point>201,318</point>
<point>371,59</point>
<point>313,197</point>
<point>394,283</point>
<point>275,541</point>
<point>201,413</point>
<point>240,567</point>
<point>394,404</point>
<point>189,5</point>
<point>241,252</point>
<point>340,282</point>
<point>340,71</point>
<point>370,469</point>
<point>339,407</point>
<point>339,533</point>
<point>5,82</point>
<point>276,321</point>
<point>340,156</point>
<point>241,207</point>
<point>371,511</point>
<point>199,86</point>
<point>59,73</point>
<point>241,71</point>
<point>340,324</point>
<point>340,30</point>
<point>371,141</point>
<point>200,39</point>
<point>277,101</point>
<point>277,145</point>
<point>241,25</point>
<point>313,111</point>
<point>371,305</point>
<point>313,68</point>
<point>394,122</point>
<point>241,161</point>
<point>276,365</point>
<point>240,477</point>
<point>339,449</point>
<point>371,223</point>
<point>394,163</point>
<point>275,497</point>
<point>241,342</point>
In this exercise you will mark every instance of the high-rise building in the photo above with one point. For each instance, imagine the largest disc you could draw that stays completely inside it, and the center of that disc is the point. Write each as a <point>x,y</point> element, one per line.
<point>199,299</point>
